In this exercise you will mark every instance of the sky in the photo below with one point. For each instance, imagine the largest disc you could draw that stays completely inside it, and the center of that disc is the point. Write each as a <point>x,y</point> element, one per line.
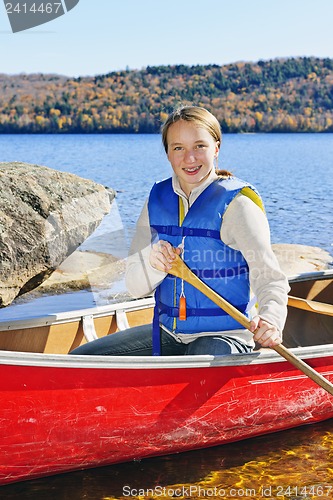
<point>99,36</point>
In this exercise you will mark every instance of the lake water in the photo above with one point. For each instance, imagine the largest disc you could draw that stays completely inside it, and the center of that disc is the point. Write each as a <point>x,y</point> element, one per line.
<point>294,175</point>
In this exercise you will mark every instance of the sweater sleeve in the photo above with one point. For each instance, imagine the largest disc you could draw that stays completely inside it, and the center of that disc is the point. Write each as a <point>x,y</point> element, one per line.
<point>245,228</point>
<point>141,278</point>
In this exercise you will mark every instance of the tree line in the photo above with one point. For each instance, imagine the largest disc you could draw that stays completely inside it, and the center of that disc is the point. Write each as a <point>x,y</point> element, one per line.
<point>281,95</point>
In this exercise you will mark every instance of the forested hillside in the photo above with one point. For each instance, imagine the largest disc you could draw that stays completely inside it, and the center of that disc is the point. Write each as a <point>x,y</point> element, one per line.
<point>290,95</point>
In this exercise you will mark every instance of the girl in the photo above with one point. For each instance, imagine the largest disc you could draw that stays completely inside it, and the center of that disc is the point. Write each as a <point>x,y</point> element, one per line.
<point>218,225</point>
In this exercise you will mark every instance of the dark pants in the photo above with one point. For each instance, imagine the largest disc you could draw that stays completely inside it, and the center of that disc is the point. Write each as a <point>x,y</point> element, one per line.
<point>137,341</point>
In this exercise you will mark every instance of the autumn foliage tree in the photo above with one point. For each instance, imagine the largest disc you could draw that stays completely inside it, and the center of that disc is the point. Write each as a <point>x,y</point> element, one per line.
<point>289,95</point>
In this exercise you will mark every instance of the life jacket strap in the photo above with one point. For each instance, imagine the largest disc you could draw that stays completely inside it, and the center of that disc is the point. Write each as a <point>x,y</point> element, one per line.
<point>156,335</point>
<point>187,231</point>
<point>173,312</point>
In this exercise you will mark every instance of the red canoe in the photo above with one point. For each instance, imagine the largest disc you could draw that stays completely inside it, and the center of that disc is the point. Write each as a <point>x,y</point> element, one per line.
<point>62,413</point>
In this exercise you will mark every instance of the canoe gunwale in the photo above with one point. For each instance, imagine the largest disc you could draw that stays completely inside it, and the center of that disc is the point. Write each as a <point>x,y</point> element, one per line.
<point>262,356</point>
<point>317,275</point>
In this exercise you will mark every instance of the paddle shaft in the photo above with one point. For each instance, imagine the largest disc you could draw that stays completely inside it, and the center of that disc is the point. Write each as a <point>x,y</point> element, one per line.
<point>180,269</point>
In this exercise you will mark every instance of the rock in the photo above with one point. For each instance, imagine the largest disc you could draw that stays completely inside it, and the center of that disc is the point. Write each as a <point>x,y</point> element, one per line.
<point>44,216</point>
<point>295,259</point>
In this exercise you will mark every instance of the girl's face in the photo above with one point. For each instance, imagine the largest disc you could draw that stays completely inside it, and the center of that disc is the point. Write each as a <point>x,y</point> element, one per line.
<point>191,152</point>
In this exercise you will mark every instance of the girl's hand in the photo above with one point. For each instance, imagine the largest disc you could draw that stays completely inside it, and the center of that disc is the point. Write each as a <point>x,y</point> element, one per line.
<point>162,255</point>
<point>265,333</point>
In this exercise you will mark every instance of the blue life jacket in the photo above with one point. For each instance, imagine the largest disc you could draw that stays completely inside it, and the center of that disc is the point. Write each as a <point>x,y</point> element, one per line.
<point>221,267</point>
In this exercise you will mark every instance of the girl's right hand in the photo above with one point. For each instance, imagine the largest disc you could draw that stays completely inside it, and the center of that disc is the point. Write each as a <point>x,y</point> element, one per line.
<point>162,254</point>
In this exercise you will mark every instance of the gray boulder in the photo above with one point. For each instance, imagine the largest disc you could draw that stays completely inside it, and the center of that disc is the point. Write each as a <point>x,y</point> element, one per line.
<point>44,216</point>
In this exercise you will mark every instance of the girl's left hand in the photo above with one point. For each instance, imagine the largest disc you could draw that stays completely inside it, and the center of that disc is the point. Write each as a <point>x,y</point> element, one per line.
<point>265,333</point>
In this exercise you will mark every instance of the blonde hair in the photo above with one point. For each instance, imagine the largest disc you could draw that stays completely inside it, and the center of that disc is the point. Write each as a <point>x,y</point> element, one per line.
<point>200,117</point>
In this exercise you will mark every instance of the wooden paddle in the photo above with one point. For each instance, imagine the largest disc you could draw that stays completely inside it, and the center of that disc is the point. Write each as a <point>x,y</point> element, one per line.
<point>180,269</point>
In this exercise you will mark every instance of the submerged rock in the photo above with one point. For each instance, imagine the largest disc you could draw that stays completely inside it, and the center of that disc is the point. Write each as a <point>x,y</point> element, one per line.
<point>44,216</point>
